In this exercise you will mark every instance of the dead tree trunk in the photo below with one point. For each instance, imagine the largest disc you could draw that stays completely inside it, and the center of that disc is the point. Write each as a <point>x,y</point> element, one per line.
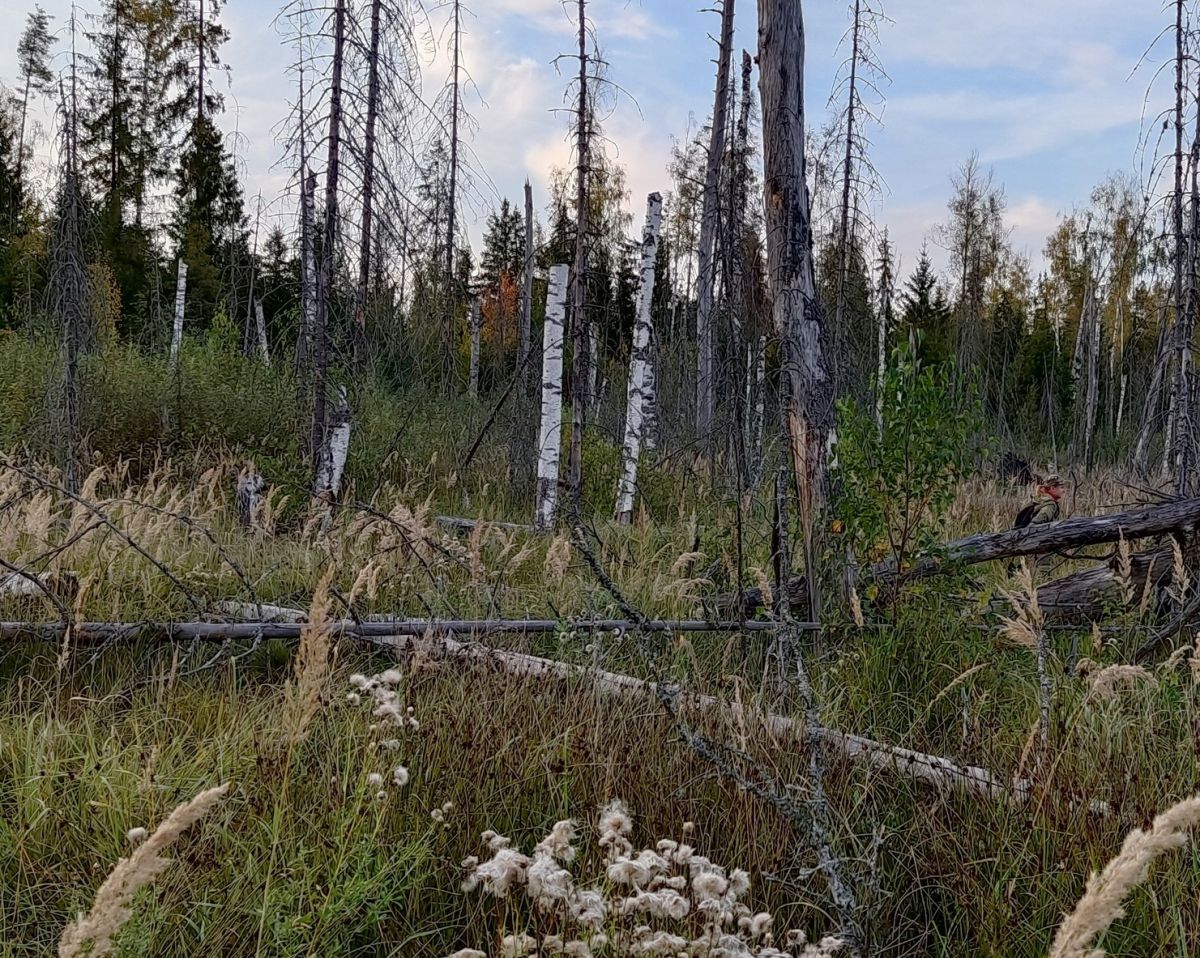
<point>476,329</point>
<point>709,228</point>
<point>807,392</point>
<point>1184,440</point>
<point>1181,515</point>
<point>308,275</point>
<point>843,237</point>
<point>321,452</point>
<point>650,395</point>
<point>69,282</point>
<point>368,190</point>
<point>550,433</point>
<point>331,464</point>
<point>451,298</point>
<point>1151,417</point>
<point>638,356</point>
<point>526,318</point>
<point>581,352</point>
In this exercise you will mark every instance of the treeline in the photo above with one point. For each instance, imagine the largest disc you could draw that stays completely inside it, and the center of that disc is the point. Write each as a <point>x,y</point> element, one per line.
<point>364,267</point>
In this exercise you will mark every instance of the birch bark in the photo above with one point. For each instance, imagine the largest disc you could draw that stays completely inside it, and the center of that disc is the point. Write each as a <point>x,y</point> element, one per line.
<point>638,356</point>
<point>260,322</point>
<point>180,301</point>
<point>475,329</point>
<point>550,433</point>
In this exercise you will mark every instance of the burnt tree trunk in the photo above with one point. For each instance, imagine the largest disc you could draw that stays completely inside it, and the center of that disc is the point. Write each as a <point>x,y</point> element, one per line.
<point>807,392</point>
<point>368,191</point>
<point>328,246</point>
<point>709,217</point>
<point>581,350</point>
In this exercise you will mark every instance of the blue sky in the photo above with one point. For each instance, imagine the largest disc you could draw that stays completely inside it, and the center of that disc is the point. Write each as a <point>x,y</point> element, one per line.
<point>1043,90</point>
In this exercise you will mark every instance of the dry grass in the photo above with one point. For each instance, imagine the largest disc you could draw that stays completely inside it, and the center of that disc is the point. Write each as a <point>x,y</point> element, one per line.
<point>323,865</point>
<point>92,934</point>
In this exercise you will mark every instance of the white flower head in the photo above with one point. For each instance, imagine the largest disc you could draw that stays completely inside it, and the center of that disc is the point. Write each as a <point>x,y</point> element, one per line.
<point>135,836</point>
<point>400,776</point>
<point>374,780</point>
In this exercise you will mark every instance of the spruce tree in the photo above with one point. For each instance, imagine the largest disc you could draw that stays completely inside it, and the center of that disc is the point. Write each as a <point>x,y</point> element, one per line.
<point>33,71</point>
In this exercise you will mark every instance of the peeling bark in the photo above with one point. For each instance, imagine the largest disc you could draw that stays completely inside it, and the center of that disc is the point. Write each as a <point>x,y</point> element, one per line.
<point>550,433</point>
<point>180,301</point>
<point>635,401</point>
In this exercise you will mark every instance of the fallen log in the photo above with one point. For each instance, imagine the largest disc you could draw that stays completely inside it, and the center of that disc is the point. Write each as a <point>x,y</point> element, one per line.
<point>1084,597</point>
<point>283,628</point>
<point>1182,515</point>
<point>930,769</point>
<point>467,525</point>
<point>432,637</point>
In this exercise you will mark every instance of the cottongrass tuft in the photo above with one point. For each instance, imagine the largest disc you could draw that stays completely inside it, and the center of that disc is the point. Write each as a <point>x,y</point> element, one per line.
<point>1102,901</point>
<point>92,934</point>
<point>135,836</point>
<point>667,900</point>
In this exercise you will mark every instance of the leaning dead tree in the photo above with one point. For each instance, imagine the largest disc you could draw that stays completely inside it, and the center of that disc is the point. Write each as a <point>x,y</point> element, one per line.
<point>709,227</point>
<point>1162,519</point>
<point>639,357</point>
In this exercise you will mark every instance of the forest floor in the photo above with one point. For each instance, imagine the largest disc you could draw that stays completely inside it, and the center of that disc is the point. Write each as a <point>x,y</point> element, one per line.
<point>309,856</point>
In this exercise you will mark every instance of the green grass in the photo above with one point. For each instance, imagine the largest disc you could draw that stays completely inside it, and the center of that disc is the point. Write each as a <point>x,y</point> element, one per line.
<point>303,860</point>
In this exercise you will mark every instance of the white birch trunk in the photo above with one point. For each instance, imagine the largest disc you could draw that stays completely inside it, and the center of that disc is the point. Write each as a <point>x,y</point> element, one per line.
<point>475,328</point>
<point>638,356</point>
<point>180,301</point>
<point>550,434</point>
<point>336,449</point>
<point>264,350</point>
<point>650,396</point>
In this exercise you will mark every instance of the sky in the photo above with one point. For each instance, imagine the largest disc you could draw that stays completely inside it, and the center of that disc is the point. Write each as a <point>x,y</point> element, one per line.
<point>1050,93</point>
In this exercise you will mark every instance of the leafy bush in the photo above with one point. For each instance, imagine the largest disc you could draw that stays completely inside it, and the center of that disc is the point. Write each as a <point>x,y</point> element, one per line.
<point>895,480</point>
